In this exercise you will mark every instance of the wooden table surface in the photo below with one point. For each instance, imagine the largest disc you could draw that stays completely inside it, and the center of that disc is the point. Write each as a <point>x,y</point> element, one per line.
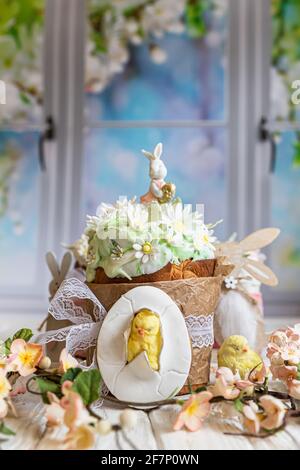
<point>153,431</point>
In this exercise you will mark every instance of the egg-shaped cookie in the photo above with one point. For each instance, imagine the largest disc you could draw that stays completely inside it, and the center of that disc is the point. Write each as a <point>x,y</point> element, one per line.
<point>143,349</point>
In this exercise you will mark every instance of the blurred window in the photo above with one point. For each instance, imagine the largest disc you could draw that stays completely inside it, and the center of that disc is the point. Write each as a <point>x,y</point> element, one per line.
<point>157,71</point>
<point>21,70</point>
<point>285,185</point>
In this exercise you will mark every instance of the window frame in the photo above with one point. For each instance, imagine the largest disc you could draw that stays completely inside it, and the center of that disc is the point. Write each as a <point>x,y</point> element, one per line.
<point>248,82</point>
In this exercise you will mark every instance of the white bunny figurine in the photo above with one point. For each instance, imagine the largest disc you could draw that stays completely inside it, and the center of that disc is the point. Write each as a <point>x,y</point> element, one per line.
<point>158,187</point>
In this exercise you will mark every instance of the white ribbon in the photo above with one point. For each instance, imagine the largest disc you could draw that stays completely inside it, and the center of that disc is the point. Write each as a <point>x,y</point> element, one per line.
<point>201,330</point>
<point>70,303</point>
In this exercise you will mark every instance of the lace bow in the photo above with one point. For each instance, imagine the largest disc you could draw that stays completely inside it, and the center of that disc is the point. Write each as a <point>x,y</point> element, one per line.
<point>75,302</point>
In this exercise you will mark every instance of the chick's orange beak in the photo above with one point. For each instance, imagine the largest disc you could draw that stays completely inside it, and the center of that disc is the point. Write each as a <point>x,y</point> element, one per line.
<point>245,349</point>
<point>141,332</point>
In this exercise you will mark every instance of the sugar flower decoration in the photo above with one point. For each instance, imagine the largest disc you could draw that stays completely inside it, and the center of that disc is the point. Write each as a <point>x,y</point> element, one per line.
<point>25,356</point>
<point>128,239</point>
<point>230,282</point>
<point>145,250</point>
<point>194,412</point>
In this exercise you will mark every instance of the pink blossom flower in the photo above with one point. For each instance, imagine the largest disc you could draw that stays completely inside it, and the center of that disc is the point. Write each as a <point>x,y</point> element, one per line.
<point>3,363</point>
<point>279,339</point>
<point>274,411</point>
<point>269,416</point>
<point>18,389</point>
<point>228,385</point>
<point>283,372</point>
<point>66,361</point>
<point>80,438</point>
<point>3,408</point>
<point>66,387</point>
<point>75,412</point>
<point>194,411</point>
<point>258,375</point>
<point>25,356</point>
<point>294,333</point>
<point>251,417</point>
<point>69,410</point>
<point>294,388</point>
<point>291,354</point>
<point>5,386</point>
<point>54,411</point>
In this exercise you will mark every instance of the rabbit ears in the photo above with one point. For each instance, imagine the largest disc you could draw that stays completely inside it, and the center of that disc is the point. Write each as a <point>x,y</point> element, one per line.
<point>156,153</point>
<point>59,270</point>
<point>259,239</point>
<point>236,251</point>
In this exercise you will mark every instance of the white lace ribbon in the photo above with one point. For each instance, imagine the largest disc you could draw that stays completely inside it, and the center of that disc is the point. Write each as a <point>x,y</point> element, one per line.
<point>70,303</point>
<point>201,330</point>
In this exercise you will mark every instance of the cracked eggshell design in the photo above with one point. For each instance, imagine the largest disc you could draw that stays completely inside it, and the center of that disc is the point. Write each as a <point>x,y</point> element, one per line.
<point>137,381</point>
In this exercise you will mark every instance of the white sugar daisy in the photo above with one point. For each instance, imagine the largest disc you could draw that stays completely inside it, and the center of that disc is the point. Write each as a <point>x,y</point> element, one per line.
<point>145,250</point>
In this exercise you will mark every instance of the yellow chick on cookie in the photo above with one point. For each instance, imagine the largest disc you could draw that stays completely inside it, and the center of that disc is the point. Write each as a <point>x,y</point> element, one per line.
<point>236,354</point>
<point>145,335</point>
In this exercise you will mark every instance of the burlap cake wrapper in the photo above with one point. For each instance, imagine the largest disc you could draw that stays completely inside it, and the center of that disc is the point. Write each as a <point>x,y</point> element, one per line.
<point>171,272</point>
<point>194,296</point>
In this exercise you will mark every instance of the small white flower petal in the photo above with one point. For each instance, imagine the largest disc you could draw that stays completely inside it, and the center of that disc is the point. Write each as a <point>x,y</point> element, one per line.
<point>145,259</point>
<point>137,247</point>
<point>138,254</point>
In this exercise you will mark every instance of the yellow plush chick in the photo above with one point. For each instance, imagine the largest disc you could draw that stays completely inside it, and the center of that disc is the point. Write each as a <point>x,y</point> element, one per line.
<point>145,336</point>
<point>235,353</point>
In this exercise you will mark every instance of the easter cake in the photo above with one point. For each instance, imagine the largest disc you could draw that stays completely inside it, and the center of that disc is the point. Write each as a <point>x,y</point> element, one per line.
<point>156,243</point>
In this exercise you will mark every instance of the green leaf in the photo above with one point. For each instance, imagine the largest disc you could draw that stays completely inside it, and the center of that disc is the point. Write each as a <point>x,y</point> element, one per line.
<point>24,333</point>
<point>200,389</point>
<point>7,346</point>
<point>71,374</point>
<point>25,99</point>
<point>46,385</point>
<point>87,385</point>
<point>5,430</point>
<point>296,159</point>
<point>238,404</point>
<point>195,18</point>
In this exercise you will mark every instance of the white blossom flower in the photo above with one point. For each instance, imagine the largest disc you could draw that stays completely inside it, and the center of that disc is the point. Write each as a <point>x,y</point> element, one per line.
<point>163,16</point>
<point>157,54</point>
<point>230,282</point>
<point>91,224</point>
<point>179,219</point>
<point>145,250</point>
<point>204,238</point>
<point>137,217</point>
